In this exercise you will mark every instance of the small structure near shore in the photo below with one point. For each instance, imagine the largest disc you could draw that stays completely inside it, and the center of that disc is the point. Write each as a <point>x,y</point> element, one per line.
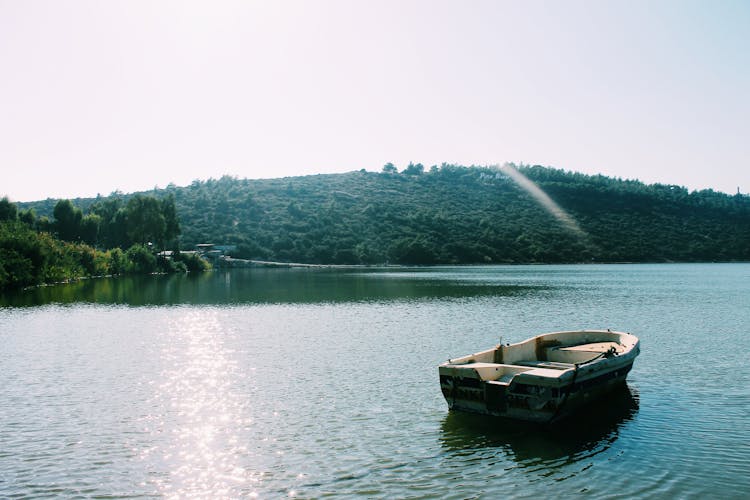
<point>208,252</point>
<point>219,256</point>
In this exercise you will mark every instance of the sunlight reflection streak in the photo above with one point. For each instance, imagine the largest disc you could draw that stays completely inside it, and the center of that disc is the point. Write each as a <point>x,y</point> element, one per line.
<point>200,413</point>
<point>543,199</point>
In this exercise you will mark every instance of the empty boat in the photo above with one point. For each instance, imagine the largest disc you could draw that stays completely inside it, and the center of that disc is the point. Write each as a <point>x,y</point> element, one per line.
<point>542,379</point>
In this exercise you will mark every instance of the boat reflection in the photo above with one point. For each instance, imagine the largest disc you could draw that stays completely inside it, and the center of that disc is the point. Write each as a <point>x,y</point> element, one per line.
<point>594,429</point>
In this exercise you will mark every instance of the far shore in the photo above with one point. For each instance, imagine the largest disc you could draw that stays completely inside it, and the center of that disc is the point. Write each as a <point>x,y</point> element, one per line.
<point>230,263</point>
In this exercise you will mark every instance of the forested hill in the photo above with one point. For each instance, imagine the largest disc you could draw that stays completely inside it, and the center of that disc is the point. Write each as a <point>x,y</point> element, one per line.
<point>453,215</point>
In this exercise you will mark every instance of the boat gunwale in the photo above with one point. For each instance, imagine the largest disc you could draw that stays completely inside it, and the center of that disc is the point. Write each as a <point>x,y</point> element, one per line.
<point>628,348</point>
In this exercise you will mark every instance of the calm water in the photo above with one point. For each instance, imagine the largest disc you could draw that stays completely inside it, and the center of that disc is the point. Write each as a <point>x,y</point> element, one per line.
<point>311,383</point>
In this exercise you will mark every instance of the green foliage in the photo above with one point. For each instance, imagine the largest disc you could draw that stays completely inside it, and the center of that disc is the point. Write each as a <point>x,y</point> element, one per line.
<point>413,169</point>
<point>8,210</point>
<point>22,259</point>
<point>145,222</point>
<point>141,260</point>
<point>43,224</point>
<point>114,223</point>
<point>171,221</point>
<point>412,251</point>
<point>116,261</point>
<point>68,219</point>
<point>191,262</point>
<point>389,168</point>
<point>89,229</point>
<point>31,258</point>
<point>447,215</point>
<point>460,215</point>
<point>28,217</point>
<point>28,257</point>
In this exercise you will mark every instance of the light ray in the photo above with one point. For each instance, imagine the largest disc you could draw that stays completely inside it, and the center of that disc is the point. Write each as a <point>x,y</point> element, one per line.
<point>543,199</point>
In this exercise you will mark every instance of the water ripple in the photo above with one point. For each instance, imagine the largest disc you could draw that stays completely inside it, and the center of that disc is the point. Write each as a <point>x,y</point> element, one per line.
<point>340,398</point>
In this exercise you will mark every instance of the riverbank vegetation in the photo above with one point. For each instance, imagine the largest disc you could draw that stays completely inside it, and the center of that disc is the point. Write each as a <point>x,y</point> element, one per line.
<point>35,250</point>
<point>445,214</point>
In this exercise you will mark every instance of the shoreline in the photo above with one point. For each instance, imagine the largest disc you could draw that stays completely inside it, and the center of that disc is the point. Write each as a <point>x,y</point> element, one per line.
<point>264,264</point>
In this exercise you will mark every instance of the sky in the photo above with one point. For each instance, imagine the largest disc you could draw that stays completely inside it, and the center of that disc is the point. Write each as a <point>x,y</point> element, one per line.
<point>103,96</point>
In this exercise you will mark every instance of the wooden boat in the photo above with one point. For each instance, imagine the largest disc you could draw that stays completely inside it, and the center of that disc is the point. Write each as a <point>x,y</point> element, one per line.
<point>542,379</point>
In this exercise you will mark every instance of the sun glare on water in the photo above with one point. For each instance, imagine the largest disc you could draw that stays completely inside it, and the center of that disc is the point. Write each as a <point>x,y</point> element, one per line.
<point>199,414</point>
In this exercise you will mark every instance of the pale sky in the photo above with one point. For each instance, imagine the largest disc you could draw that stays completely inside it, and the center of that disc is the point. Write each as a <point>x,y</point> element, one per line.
<point>97,96</point>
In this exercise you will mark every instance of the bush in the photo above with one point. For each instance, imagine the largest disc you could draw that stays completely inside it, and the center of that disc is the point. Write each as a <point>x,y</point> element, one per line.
<point>117,262</point>
<point>30,258</point>
<point>15,269</point>
<point>140,260</point>
<point>23,255</point>
<point>191,261</point>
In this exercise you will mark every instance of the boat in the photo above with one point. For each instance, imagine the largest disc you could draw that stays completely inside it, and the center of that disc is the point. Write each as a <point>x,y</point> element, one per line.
<point>543,379</point>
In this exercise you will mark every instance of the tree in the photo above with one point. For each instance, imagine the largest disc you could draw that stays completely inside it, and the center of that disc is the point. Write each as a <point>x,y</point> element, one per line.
<point>171,222</point>
<point>412,251</point>
<point>23,255</point>
<point>112,227</point>
<point>116,230</point>
<point>145,221</point>
<point>389,168</point>
<point>413,169</point>
<point>8,210</point>
<point>454,214</point>
<point>28,217</point>
<point>67,220</point>
<point>90,229</point>
<point>44,225</point>
<point>117,262</point>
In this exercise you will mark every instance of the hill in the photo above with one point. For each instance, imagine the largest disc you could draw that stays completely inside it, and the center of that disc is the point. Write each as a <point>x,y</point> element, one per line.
<point>455,215</point>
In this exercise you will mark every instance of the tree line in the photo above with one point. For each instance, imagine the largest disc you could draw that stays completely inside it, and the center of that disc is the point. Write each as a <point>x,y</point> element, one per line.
<point>444,214</point>
<point>114,237</point>
<point>109,222</point>
<point>451,214</point>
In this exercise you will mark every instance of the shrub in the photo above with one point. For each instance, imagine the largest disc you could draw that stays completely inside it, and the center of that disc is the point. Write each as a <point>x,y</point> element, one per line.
<point>140,260</point>
<point>192,262</point>
<point>117,262</point>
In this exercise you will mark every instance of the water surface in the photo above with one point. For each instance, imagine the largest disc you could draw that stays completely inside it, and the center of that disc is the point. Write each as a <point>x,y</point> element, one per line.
<point>324,382</point>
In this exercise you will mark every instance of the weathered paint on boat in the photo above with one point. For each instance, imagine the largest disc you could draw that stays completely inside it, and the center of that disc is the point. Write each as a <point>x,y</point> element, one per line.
<point>542,379</point>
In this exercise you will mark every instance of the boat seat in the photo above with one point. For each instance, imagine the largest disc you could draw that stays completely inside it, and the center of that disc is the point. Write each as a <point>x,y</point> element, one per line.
<point>593,347</point>
<point>581,353</point>
<point>485,371</point>
<point>554,365</point>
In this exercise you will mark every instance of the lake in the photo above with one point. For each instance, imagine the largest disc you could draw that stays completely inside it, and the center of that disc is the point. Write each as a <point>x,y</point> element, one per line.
<point>324,382</point>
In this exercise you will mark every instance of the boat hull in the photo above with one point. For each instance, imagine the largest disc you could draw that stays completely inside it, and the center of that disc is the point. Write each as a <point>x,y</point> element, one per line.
<point>539,390</point>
